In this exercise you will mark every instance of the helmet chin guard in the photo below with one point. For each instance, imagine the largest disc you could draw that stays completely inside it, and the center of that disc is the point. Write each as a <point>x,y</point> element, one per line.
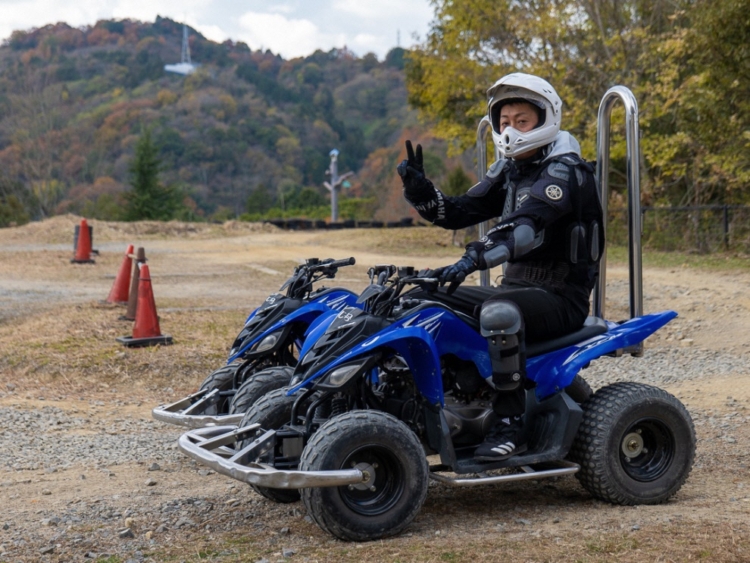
<point>535,91</point>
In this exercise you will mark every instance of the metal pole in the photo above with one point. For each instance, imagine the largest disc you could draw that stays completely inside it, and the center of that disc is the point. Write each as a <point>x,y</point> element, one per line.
<point>335,190</point>
<point>335,184</point>
<point>483,128</point>
<point>726,226</point>
<point>333,187</point>
<point>632,138</point>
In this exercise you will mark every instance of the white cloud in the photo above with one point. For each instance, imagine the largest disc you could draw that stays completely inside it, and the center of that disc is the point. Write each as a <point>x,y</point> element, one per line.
<point>287,37</point>
<point>212,32</point>
<point>281,9</point>
<point>288,27</point>
<point>410,14</point>
<point>369,43</point>
<point>27,14</point>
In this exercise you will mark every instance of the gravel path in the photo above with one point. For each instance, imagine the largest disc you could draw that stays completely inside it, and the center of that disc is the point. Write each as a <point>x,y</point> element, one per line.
<point>117,486</point>
<point>89,476</point>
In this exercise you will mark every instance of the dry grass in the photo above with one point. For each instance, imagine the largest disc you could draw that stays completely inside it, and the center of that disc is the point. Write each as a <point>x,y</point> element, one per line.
<point>60,341</point>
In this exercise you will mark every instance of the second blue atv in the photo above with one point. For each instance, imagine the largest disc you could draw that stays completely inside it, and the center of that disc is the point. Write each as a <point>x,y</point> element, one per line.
<point>264,353</point>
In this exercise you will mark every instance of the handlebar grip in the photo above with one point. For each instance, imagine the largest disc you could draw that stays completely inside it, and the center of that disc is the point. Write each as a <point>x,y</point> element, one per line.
<point>343,262</point>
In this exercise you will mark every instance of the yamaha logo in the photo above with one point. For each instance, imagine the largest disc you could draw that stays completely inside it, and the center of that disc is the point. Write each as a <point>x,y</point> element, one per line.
<point>553,192</point>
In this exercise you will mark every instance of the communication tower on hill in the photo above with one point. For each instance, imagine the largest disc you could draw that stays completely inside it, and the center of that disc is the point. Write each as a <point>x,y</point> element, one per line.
<point>184,67</point>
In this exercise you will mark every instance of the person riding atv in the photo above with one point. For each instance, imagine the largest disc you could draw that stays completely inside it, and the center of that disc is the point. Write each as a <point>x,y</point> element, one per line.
<point>549,235</point>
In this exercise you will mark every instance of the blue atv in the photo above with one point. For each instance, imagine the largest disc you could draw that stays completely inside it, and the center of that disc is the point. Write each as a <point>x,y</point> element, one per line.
<point>263,356</point>
<point>379,388</point>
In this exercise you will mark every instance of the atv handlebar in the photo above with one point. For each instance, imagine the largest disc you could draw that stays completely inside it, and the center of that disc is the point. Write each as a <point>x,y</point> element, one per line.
<point>315,265</point>
<point>313,270</point>
<point>343,262</point>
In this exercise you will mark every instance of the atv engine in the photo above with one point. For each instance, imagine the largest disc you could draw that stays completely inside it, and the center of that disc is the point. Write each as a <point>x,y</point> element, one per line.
<point>462,380</point>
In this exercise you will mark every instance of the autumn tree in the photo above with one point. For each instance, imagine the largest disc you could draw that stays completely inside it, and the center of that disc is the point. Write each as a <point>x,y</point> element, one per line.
<point>686,62</point>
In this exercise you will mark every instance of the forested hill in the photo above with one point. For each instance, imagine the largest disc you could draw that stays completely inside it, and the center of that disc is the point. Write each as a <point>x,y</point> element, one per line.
<point>247,131</point>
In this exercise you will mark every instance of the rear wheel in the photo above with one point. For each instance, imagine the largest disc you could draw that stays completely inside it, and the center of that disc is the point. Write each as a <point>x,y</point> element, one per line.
<point>391,456</point>
<point>635,444</point>
<point>272,411</point>
<point>223,380</point>
<point>258,385</point>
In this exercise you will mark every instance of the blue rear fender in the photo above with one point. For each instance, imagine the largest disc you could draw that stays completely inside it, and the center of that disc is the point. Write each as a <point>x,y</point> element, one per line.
<point>331,302</point>
<point>556,370</point>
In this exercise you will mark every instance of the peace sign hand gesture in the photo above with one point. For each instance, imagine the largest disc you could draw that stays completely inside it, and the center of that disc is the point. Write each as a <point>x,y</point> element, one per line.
<point>417,187</point>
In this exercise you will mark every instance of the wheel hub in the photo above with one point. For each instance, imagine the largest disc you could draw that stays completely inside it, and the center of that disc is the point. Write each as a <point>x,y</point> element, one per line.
<point>647,449</point>
<point>369,475</point>
<point>632,445</point>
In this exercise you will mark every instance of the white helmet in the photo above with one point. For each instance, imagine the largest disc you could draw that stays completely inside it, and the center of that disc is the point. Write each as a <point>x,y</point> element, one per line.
<point>537,91</point>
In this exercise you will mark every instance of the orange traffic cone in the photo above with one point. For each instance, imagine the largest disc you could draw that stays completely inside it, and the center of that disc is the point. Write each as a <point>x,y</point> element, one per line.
<point>140,259</point>
<point>83,245</point>
<point>146,328</point>
<point>120,289</point>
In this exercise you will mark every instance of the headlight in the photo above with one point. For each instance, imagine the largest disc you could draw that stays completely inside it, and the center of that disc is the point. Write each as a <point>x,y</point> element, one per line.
<point>339,376</point>
<point>267,343</point>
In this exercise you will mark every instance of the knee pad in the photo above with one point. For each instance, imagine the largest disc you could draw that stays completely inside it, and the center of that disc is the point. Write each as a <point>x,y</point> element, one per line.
<point>502,323</point>
<point>500,318</point>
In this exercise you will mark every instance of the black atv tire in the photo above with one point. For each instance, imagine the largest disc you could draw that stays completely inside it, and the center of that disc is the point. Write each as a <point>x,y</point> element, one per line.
<point>223,380</point>
<point>579,390</point>
<point>385,447</point>
<point>271,411</point>
<point>635,444</point>
<point>259,384</point>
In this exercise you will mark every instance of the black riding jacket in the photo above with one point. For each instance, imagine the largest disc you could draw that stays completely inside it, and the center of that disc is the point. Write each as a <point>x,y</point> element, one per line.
<point>557,196</point>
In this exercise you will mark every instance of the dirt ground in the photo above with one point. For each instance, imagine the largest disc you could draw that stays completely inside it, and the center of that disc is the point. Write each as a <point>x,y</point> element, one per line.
<point>58,348</point>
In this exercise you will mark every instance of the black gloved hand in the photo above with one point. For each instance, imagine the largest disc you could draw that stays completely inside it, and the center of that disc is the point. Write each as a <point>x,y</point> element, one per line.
<point>431,274</point>
<point>417,188</point>
<point>456,274</point>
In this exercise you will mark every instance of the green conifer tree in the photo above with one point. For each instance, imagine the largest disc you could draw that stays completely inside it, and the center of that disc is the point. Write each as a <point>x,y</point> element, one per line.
<point>149,198</point>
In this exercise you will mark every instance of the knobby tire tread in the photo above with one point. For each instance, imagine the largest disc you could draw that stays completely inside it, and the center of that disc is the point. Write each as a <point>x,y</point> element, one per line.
<point>590,446</point>
<point>272,411</point>
<point>258,385</point>
<point>320,443</point>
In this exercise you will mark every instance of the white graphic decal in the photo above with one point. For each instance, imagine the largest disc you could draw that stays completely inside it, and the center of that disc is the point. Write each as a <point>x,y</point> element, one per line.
<point>553,192</point>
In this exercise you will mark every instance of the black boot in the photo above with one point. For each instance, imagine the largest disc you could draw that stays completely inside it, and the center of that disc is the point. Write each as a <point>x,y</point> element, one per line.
<point>503,441</point>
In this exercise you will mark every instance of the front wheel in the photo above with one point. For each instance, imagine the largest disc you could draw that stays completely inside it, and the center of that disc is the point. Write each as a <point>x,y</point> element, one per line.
<point>272,411</point>
<point>223,380</point>
<point>393,459</point>
<point>635,444</point>
<point>259,384</point>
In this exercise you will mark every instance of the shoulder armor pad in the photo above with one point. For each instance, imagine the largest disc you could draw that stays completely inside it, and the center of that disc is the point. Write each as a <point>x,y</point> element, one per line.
<point>559,170</point>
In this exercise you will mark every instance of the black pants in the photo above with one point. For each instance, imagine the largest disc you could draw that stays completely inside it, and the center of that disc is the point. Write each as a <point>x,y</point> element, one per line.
<point>546,315</point>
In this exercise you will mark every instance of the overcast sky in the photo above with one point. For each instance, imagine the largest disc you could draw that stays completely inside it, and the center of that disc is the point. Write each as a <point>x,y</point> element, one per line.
<point>290,28</point>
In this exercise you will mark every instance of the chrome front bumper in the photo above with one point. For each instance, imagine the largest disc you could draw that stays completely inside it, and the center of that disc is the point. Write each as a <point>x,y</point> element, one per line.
<point>186,412</point>
<point>216,447</point>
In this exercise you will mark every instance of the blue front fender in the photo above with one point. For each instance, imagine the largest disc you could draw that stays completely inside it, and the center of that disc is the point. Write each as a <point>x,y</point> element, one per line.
<point>556,370</point>
<point>421,339</point>
<point>306,314</point>
<point>414,344</point>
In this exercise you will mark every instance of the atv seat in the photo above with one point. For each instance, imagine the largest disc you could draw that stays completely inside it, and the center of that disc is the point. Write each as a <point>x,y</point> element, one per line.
<point>592,326</point>
<point>466,302</point>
